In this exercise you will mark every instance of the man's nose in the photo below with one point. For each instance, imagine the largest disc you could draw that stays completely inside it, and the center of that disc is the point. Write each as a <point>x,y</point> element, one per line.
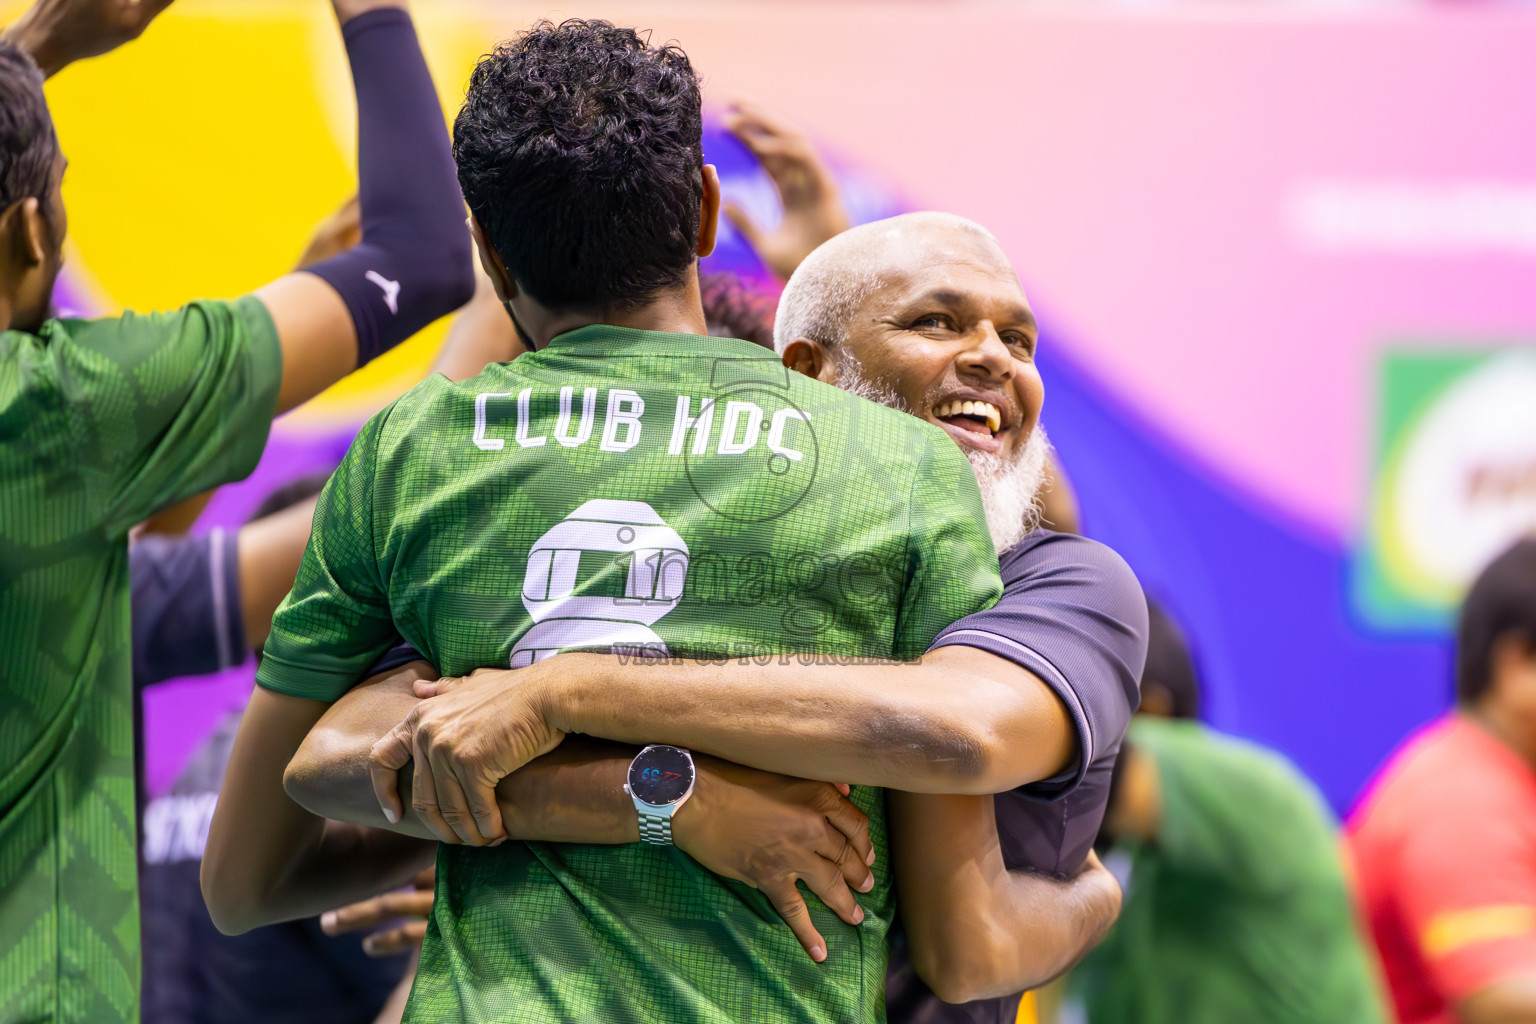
<point>986,353</point>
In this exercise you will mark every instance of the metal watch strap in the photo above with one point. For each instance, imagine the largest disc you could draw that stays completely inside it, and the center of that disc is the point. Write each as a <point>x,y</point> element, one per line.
<point>656,828</point>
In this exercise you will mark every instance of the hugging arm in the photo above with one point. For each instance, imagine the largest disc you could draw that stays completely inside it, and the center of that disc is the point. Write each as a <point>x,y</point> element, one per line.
<point>975,929</point>
<point>765,830</point>
<point>949,721</point>
<point>1029,929</point>
<point>267,859</point>
<point>957,720</point>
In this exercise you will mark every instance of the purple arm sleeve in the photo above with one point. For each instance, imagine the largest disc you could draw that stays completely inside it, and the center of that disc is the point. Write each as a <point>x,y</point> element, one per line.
<point>413,263</point>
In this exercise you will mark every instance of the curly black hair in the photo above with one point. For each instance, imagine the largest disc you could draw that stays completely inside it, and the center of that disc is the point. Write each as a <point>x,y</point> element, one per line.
<point>580,153</point>
<point>734,309</point>
<point>28,145</point>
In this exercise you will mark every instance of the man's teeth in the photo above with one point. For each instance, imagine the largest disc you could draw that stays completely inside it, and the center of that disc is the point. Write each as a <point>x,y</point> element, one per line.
<point>993,417</point>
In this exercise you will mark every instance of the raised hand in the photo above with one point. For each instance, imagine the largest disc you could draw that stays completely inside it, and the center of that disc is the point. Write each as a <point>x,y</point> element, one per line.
<point>58,32</point>
<point>346,10</point>
<point>338,232</point>
<point>813,208</point>
<point>474,732</point>
<point>771,831</point>
<point>413,904</point>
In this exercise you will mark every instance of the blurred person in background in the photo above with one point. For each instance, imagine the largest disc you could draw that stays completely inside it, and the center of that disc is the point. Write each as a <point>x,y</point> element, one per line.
<point>106,421</point>
<point>202,604</point>
<point>1444,842</point>
<point>1169,686</point>
<point>1236,903</point>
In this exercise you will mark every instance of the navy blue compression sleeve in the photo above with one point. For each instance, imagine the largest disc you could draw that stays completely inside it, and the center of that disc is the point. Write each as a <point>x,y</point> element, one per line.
<point>413,263</point>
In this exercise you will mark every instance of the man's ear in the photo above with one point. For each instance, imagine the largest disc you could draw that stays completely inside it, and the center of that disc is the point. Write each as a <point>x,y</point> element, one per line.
<point>490,262</point>
<point>1512,666</point>
<point>709,211</point>
<point>26,232</point>
<point>810,358</point>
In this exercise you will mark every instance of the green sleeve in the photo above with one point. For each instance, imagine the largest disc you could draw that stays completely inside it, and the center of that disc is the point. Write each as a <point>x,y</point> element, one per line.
<point>951,564</point>
<point>170,404</point>
<point>335,623</point>
<point>1234,810</point>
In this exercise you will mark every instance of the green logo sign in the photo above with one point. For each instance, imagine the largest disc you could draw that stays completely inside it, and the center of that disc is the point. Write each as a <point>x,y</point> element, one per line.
<point>1453,481</point>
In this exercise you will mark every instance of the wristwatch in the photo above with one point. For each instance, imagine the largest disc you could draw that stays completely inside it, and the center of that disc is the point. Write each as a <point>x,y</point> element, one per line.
<point>660,781</point>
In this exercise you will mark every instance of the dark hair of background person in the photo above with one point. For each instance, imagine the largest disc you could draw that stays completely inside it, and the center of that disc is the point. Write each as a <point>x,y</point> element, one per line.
<point>1502,601</point>
<point>1170,686</point>
<point>1107,840</point>
<point>291,493</point>
<point>579,149</point>
<point>734,309</point>
<point>28,144</point>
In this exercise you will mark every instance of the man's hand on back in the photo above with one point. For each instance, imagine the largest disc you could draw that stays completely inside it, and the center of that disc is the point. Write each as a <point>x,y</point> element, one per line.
<point>771,831</point>
<point>58,32</point>
<point>404,911</point>
<point>473,733</point>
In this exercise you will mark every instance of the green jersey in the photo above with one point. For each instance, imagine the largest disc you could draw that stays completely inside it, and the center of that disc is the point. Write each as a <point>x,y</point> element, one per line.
<point>1239,910</point>
<point>101,423</point>
<point>640,493</point>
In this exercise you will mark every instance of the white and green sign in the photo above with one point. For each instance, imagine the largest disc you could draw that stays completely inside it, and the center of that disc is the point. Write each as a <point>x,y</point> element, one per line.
<point>1454,478</point>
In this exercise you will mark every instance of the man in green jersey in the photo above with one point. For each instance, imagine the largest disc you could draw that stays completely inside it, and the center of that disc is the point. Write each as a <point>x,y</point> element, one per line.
<point>1237,904</point>
<point>103,422</point>
<point>573,498</point>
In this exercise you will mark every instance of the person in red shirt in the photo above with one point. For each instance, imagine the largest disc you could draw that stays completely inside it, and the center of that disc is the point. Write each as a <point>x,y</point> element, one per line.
<point>1445,840</point>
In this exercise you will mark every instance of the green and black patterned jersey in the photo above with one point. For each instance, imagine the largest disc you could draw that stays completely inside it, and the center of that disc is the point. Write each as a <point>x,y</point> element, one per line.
<point>634,492</point>
<point>101,423</point>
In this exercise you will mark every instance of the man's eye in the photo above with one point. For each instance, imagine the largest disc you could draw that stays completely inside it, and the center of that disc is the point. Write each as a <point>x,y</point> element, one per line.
<point>932,320</point>
<point>1022,342</point>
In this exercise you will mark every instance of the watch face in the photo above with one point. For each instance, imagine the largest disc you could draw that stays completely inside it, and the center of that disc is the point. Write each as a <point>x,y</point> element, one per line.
<point>661,775</point>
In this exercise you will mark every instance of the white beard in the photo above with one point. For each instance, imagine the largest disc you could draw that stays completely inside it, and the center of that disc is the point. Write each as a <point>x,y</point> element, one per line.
<point>1010,486</point>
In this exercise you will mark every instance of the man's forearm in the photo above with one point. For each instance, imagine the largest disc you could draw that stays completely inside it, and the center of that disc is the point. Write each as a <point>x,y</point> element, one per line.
<point>959,720</point>
<point>574,794</point>
<point>267,859</point>
<point>348,863</point>
<point>977,930</point>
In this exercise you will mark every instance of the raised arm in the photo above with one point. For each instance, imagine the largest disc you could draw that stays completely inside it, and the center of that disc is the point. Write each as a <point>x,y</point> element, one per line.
<point>813,209</point>
<point>975,929</point>
<point>56,33</point>
<point>1511,1000</point>
<point>413,262</point>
